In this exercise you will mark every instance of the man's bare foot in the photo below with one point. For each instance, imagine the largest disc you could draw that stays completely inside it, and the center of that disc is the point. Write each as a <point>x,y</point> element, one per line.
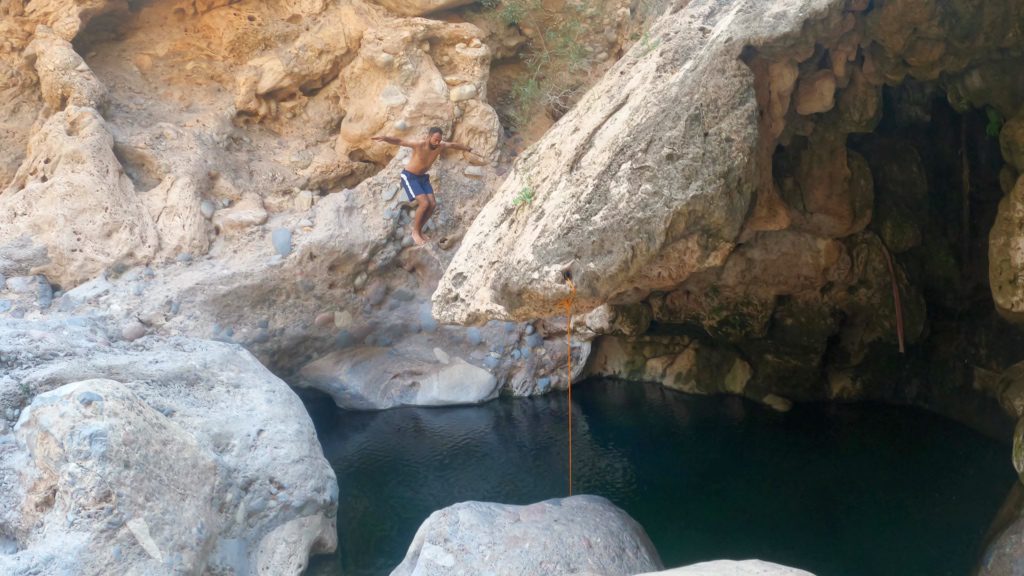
<point>419,240</point>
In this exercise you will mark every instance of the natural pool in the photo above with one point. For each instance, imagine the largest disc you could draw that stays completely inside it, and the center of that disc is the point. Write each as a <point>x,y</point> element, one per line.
<point>858,490</point>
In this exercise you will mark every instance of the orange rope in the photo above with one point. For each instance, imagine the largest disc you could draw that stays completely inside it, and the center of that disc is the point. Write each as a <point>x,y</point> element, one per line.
<point>568,338</point>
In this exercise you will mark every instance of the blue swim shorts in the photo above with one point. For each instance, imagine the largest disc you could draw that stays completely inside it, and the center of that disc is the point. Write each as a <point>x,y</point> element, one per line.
<point>416,184</point>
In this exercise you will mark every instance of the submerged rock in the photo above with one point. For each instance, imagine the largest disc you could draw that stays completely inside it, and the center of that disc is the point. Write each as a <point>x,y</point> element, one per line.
<point>575,535</point>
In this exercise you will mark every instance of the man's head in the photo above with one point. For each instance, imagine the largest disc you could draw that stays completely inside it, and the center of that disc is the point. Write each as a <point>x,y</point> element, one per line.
<point>434,137</point>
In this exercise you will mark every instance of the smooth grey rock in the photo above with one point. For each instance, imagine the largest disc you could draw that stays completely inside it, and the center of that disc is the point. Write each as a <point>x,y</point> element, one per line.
<point>23,284</point>
<point>184,434</point>
<point>20,256</point>
<point>282,240</point>
<point>44,293</point>
<point>207,208</point>
<point>8,546</point>
<point>376,378</point>
<point>732,568</point>
<point>184,257</point>
<point>463,92</point>
<point>133,330</point>
<point>576,535</point>
<point>88,291</point>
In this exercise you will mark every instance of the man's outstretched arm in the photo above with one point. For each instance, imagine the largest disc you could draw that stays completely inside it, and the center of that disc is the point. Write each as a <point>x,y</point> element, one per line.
<point>456,146</point>
<point>394,141</point>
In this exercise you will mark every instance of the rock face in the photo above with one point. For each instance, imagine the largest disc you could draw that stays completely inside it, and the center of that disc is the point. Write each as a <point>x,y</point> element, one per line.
<point>162,456</point>
<point>605,168</point>
<point>579,534</point>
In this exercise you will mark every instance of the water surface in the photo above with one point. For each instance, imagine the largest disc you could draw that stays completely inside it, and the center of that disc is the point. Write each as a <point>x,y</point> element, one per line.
<point>859,490</point>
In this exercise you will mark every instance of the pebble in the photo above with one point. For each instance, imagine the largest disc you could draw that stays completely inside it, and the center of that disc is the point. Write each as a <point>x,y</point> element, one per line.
<point>344,339</point>
<point>132,331</point>
<point>324,319</point>
<point>282,240</point>
<point>544,384</point>
<point>184,257</point>
<point>778,403</point>
<point>360,280</point>
<point>137,289</point>
<point>304,200</point>
<point>474,337</point>
<point>207,208</point>
<point>516,354</point>
<point>45,295</point>
<point>402,295</point>
<point>534,341</point>
<point>263,324</point>
<point>343,319</point>
<point>524,352</point>
<point>441,356</point>
<point>149,273</point>
<point>491,362</point>
<point>175,307</point>
<point>463,92</point>
<point>530,329</point>
<point>407,242</point>
<point>22,284</point>
<point>474,171</point>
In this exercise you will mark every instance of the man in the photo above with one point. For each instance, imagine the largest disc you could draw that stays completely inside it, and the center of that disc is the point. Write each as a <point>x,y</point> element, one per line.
<point>416,181</point>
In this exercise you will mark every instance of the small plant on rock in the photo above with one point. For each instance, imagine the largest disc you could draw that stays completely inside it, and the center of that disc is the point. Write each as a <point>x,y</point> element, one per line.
<point>525,196</point>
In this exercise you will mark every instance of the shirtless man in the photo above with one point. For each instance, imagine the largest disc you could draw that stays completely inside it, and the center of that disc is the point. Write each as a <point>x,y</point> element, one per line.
<point>416,181</point>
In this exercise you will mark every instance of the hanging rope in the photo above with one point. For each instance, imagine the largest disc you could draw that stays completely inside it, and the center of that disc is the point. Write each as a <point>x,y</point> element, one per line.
<point>895,297</point>
<point>568,356</point>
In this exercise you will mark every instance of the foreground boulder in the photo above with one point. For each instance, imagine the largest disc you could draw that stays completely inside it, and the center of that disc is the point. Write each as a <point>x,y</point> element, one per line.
<point>162,456</point>
<point>732,568</point>
<point>579,534</point>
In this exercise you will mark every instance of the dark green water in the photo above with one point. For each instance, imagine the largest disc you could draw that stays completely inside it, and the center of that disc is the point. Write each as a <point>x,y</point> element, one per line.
<point>865,490</point>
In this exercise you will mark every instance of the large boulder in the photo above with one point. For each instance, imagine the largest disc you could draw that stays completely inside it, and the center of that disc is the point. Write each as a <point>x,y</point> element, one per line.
<point>72,197</point>
<point>160,456</point>
<point>377,378</point>
<point>579,534</point>
<point>732,568</point>
<point>630,156</point>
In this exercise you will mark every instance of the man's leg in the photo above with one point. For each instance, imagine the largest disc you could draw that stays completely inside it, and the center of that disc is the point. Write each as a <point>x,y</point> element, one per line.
<point>430,210</point>
<point>420,218</point>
